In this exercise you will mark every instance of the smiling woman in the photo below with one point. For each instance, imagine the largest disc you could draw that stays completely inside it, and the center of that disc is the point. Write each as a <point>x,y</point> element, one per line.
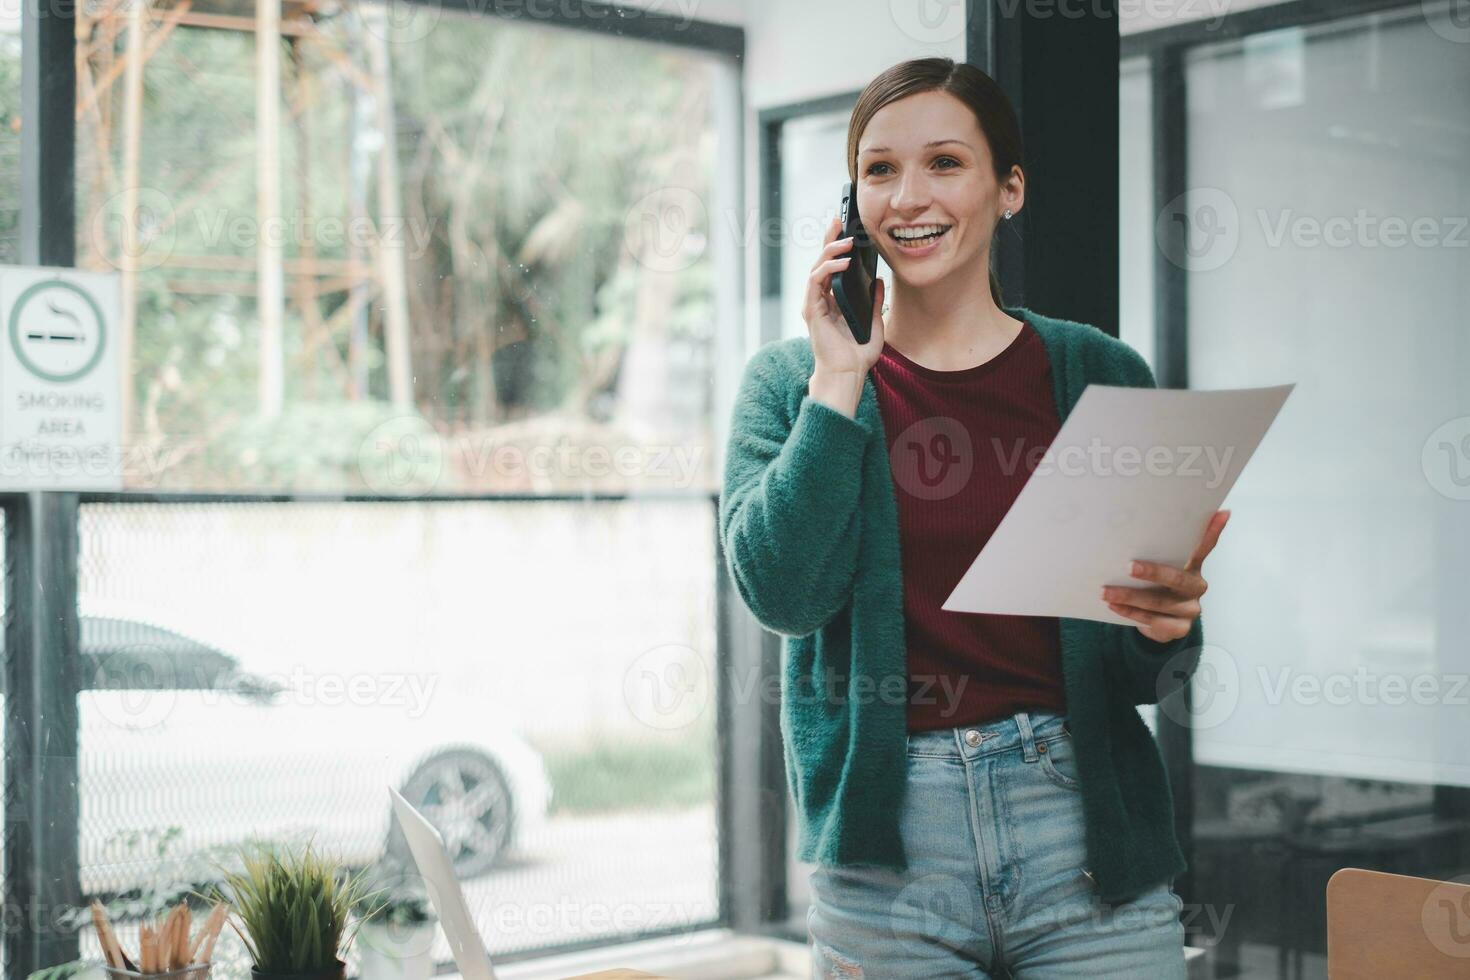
<point>856,495</point>
<point>935,168</point>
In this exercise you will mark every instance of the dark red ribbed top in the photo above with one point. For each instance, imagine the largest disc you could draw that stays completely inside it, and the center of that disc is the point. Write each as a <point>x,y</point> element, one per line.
<point>961,444</point>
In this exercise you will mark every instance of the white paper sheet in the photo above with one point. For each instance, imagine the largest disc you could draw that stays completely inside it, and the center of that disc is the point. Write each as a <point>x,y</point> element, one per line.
<point>1134,473</point>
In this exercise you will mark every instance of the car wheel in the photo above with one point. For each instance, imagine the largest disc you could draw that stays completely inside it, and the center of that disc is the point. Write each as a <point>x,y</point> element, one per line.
<point>467,799</point>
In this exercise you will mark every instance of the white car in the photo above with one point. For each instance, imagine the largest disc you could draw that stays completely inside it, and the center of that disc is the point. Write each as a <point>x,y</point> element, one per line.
<point>184,755</point>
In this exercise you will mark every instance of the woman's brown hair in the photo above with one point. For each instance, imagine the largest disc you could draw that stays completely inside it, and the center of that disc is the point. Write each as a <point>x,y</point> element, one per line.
<point>992,109</point>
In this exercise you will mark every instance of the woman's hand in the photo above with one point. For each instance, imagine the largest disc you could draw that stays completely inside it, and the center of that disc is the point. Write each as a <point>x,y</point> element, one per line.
<point>1167,613</point>
<point>833,346</point>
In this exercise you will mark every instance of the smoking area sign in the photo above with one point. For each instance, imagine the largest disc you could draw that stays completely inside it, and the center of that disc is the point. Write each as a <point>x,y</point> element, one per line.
<point>60,380</point>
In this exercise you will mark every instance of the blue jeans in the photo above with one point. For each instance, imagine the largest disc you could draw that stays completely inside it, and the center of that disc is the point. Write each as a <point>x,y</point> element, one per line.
<point>997,884</point>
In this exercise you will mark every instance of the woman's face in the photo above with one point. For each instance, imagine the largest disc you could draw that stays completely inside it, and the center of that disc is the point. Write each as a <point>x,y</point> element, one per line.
<point>904,182</point>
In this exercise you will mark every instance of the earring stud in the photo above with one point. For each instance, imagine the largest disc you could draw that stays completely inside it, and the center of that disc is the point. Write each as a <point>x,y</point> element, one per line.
<point>1008,214</point>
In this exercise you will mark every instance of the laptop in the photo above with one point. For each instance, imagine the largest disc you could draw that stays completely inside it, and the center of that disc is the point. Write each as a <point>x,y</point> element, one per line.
<point>445,894</point>
<point>437,870</point>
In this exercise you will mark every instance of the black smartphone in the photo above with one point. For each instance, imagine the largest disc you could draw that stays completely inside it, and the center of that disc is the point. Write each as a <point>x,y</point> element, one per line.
<point>854,286</point>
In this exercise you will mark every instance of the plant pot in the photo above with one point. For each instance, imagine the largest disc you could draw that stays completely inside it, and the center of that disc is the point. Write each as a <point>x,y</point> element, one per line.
<point>336,972</point>
<point>396,952</point>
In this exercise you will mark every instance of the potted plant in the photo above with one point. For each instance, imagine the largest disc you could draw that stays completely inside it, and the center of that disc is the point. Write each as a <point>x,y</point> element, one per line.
<point>397,940</point>
<point>296,906</point>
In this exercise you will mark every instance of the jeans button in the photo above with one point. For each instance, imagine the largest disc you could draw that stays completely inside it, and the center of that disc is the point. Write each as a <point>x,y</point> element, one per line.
<point>972,737</point>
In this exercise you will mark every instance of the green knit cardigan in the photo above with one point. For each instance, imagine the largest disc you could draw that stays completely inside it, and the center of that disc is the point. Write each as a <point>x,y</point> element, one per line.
<point>808,521</point>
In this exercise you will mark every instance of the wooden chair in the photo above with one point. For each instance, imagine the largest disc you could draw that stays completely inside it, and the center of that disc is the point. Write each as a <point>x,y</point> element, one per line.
<point>1383,925</point>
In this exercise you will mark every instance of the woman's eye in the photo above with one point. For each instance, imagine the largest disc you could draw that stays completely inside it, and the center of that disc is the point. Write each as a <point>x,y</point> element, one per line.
<point>872,169</point>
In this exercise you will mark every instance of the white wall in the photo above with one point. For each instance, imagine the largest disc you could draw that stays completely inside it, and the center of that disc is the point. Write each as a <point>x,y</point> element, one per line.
<point>798,51</point>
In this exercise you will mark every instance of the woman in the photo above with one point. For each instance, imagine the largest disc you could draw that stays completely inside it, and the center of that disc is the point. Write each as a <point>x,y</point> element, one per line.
<point>979,791</point>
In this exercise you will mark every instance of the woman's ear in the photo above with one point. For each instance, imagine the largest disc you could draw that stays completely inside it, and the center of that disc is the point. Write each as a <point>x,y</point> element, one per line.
<point>1014,191</point>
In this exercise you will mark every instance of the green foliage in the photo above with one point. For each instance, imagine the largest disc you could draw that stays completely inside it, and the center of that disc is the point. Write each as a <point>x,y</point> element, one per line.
<point>62,971</point>
<point>613,774</point>
<point>513,206</point>
<point>295,905</point>
<point>352,446</point>
<point>398,909</point>
<point>10,67</point>
<point>399,900</point>
<point>168,875</point>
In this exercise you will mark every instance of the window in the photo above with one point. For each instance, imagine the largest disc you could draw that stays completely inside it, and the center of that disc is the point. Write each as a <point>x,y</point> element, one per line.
<point>1319,168</point>
<point>491,243</point>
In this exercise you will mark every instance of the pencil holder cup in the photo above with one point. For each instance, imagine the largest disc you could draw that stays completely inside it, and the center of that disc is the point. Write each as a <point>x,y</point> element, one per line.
<point>194,971</point>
